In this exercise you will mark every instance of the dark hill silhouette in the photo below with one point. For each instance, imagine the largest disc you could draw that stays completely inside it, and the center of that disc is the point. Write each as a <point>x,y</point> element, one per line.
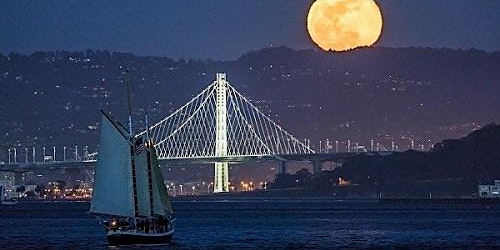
<point>453,168</point>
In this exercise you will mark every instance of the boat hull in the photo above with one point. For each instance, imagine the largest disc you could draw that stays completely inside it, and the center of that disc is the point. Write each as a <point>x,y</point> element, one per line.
<point>132,238</point>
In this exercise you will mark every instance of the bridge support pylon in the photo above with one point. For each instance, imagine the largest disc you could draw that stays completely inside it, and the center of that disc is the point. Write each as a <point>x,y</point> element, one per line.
<point>317,168</point>
<point>282,167</point>
<point>221,175</point>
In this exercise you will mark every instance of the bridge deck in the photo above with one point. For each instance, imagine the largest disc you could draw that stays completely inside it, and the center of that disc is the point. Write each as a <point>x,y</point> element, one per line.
<point>317,157</point>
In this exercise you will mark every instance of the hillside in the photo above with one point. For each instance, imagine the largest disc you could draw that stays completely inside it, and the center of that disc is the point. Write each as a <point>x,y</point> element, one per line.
<point>384,94</point>
<point>452,168</point>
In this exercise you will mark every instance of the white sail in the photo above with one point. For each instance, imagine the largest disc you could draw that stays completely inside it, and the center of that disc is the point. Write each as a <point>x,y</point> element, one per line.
<point>142,181</point>
<point>112,191</point>
<point>162,203</point>
<point>151,192</point>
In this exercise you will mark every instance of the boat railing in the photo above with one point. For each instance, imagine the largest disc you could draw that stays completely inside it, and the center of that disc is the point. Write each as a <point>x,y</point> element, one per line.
<point>146,226</point>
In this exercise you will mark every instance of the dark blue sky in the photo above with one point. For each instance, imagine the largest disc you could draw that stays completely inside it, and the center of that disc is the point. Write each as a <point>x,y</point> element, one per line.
<point>225,29</point>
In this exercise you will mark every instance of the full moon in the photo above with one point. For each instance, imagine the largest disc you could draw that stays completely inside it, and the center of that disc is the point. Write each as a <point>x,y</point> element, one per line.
<point>342,25</point>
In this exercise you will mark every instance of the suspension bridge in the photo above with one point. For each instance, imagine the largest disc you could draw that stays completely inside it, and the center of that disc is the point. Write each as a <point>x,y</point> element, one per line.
<point>218,126</point>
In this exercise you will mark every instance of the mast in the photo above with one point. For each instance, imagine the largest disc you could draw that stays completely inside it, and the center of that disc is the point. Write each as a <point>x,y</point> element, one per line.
<point>149,147</point>
<point>129,101</point>
<point>132,146</point>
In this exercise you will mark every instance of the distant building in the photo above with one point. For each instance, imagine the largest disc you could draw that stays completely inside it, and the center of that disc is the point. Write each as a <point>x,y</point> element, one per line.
<point>7,181</point>
<point>490,191</point>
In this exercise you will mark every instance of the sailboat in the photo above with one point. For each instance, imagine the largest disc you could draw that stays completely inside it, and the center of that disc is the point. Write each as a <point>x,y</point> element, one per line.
<point>129,188</point>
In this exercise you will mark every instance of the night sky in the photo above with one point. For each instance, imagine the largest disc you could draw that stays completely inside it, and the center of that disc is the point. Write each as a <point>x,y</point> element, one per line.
<point>225,29</point>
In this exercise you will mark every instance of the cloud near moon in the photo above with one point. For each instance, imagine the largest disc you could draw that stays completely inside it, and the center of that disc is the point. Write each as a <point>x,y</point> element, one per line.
<point>342,25</point>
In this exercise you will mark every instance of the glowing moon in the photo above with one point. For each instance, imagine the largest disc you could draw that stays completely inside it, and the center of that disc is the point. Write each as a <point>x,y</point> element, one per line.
<point>341,25</point>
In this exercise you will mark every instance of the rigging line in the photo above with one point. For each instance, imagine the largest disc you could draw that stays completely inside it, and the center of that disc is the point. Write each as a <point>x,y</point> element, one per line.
<point>177,118</point>
<point>239,128</point>
<point>257,117</point>
<point>211,128</point>
<point>265,126</point>
<point>262,114</point>
<point>164,125</point>
<point>232,150</point>
<point>199,135</point>
<point>253,116</point>
<point>194,134</point>
<point>273,140</point>
<point>178,110</point>
<point>188,145</point>
<point>235,130</point>
<point>208,124</point>
<point>200,128</point>
<point>247,109</point>
<point>251,105</point>
<point>186,122</point>
<point>251,129</point>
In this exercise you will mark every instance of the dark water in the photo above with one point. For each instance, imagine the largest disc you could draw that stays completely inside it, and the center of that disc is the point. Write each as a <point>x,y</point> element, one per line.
<point>268,224</point>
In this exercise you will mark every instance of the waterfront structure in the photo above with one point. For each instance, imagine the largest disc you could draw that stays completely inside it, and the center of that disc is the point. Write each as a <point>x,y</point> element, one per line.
<point>490,191</point>
<point>7,184</point>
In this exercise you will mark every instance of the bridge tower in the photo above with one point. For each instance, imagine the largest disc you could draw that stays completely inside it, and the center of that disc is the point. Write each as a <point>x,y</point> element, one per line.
<point>221,176</point>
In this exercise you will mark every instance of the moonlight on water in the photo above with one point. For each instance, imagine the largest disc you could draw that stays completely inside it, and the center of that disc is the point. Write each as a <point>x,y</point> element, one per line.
<point>341,25</point>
